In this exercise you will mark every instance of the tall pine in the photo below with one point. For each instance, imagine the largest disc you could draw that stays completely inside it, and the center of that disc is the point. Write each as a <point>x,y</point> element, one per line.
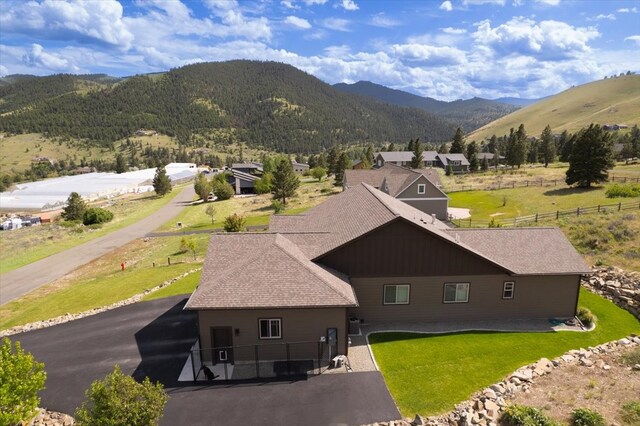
<point>457,146</point>
<point>161,182</point>
<point>591,157</point>
<point>417,162</point>
<point>547,147</point>
<point>285,182</point>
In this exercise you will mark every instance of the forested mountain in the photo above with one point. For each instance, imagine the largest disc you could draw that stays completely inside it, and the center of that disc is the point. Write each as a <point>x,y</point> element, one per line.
<point>261,103</point>
<point>469,114</point>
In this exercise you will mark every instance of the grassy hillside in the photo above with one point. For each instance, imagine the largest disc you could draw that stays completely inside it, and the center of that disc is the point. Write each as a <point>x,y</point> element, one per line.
<point>614,100</point>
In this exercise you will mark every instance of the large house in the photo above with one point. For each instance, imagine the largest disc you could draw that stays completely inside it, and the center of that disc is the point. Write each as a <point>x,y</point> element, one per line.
<point>458,162</point>
<point>419,188</point>
<point>364,254</point>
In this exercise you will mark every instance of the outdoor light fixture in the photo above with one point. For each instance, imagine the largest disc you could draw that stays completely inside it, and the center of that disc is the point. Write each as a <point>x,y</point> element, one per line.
<point>237,331</point>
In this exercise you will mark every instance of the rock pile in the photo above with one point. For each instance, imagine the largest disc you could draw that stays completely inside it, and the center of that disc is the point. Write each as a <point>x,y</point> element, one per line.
<point>51,418</point>
<point>70,317</point>
<point>623,288</point>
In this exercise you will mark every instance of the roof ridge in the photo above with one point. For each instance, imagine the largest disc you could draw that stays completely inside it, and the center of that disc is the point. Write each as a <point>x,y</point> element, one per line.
<point>392,210</point>
<point>304,265</point>
<point>510,228</point>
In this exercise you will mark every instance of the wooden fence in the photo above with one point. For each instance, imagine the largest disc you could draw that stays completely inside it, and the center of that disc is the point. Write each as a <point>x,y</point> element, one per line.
<point>527,183</point>
<point>539,217</point>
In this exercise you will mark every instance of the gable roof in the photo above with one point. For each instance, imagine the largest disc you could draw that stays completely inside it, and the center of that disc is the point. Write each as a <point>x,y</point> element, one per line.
<point>246,166</point>
<point>266,270</point>
<point>397,177</point>
<point>445,158</point>
<point>396,156</point>
<point>526,251</point>
<point>244,176</point>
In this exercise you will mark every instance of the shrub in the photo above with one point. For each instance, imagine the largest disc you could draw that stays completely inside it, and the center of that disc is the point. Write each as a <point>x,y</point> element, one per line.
<point>586,417</point>
<point>95,215</point>
<point>630,413</point>
<point>21,378</point>
<point>234,223</point>
<point>628,190</point>
<point>264,184</point>
<point>318,173</point>
<point>586,316</point>
<point>493,223</point>
<point>119,399</point>
<point>277,206</point>
<point>632,358</point>
<point>521,415</point>
<point>620,231</point>
<point>222,190</point>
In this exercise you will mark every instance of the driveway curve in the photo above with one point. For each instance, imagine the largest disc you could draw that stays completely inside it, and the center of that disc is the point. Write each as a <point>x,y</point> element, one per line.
<point>19,282</point>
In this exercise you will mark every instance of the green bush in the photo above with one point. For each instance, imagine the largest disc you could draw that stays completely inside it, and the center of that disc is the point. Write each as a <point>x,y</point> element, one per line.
<point>222,190</point>
<point>630,413</point>
<point>264,184</point>
<point>586,316</point>
<point>277,206</point>
<point>234,223</point>
<point>521,415</point>
<point>628,190</point>
<point>96,215</point>
<point>21,378</point>
<point>632,358</point>
<point>119,400</point>
<point>586,417</point>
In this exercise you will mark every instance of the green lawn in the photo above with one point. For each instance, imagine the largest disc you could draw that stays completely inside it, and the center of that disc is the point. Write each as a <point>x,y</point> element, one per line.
<point>184,286</point>
<point>430,374</point>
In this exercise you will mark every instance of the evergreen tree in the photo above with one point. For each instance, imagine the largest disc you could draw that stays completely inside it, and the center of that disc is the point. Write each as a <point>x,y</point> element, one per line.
<point>75,208</point>
<point>369,155</point>
<point>332,160</point>
<point>417,162</point>
<point>521,146</point>
<point>635,140</point>
<point>566,142</point>
<point>121,164</point>
<point>391,147</point>
<point>285,182</point>
<point>443,149</point>
<point>202,187</point>
<point>161,182</point>
<point>547,146</point>
<point>472,156</point>
<point>484,166</point>
<point>493,144</point>
<point>457,146</point>
<point>312,162</point>
<point>343,163</point>
<point>410,145</point>
<point>591,157</point>
<point>322,161</point>
<point>532,152</point>
<point>496,159</point>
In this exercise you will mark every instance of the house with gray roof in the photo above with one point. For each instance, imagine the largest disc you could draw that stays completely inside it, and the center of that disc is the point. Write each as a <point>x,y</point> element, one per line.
<point>458,162</point>
<point>419,188</point>
<point>365,256</point>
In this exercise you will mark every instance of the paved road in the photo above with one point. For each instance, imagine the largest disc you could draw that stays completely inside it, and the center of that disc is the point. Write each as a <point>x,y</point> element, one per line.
<point>20,281</point>
<point>153,339</point>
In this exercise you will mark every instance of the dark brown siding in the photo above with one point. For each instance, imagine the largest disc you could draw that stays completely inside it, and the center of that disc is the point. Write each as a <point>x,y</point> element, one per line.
<point>534,297</point>
<point>298,325</point>
<point>401,249</point>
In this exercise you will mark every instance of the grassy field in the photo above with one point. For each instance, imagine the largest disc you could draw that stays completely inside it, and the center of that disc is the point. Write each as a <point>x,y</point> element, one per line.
<point>257,209</point>
<point>101,282</point>
<point>615,100</point>
<point>184,286</point>
<point>27,245</point>
<point>427,380</point>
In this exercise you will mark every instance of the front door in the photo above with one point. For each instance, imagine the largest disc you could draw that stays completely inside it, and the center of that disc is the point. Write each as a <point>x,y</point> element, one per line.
<point>222,342</point>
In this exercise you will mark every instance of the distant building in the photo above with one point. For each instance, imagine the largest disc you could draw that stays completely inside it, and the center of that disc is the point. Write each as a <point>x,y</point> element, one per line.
<point>299,167</point>
<point>250,168</point>
<point>458,162</point>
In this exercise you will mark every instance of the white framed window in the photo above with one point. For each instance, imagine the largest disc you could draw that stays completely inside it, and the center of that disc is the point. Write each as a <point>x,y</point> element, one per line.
<point>456,162</point>
<point>422,188</point>
<point>396,294</point>
<point>508,289</point>
<point>270,328</point>
<point>456,292</point>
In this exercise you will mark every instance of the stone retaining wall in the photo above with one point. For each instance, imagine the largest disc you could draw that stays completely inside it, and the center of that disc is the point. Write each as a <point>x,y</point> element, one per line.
<point>622,288</point>
<point>51,418</point>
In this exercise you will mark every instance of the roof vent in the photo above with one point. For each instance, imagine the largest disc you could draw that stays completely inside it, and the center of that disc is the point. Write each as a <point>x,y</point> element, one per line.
<point>433,218</point>
<point>457,238</point>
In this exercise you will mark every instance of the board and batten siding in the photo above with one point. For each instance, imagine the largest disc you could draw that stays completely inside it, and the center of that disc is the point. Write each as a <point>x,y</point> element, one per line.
<point>430,206</point>
<point>401,248</point>
<point>298,325</point>
<point>543,296</point>
<point>431,191</point>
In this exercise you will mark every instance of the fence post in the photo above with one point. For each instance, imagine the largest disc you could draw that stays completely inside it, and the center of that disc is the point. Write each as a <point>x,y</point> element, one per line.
<point>557,214</point>
<point>469,222</point>
<point>598,208</point>
<point>226,374</point>
<point>193,367</point>
<point>536,217</point>
<point>498,185</point>
<point>578,212</point>
<point>555,182</point>
<point>513,184</point>
<point>619,206</point>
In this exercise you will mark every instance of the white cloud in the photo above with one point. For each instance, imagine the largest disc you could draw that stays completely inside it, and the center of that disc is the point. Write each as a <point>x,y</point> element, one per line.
<point>429,55</point>
<point>337,24</point>
<point>289,4</point>
<point>480,2</point>
<point>446,5</point>
<point>610,17</point>
<point>549,2</point>
<point>382,20</point>
<point>348,5</point>
<point>627,10</point>
<point>3,71</point>
<point>337,51</point>
<point>518,2</point>
<point>296,22</point>
<point>312,2</point>
<point>37,57</point>
<point>456,31</point>
<point>634,39</point>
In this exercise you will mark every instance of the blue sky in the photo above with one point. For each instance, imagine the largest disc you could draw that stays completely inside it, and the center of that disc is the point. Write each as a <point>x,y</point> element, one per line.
<point>443,49</point>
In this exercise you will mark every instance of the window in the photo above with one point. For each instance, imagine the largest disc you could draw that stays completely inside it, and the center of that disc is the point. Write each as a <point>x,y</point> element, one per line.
<point>397,294</point>
<point>428,163</point>
<point>456,162</point>
<point>456,293</point>
<point>422,188</point>
<point>270,328</point>
<point>508,289</point>
<point>404,163</point>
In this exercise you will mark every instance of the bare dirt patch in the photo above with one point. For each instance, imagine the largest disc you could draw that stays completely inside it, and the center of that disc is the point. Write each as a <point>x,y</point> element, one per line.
<point>576,386</point>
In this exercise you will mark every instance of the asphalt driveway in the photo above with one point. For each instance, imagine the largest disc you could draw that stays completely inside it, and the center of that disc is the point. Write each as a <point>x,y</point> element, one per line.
<point>153,339</point>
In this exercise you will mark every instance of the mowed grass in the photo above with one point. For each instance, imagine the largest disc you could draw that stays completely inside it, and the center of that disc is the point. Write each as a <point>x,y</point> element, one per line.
<point>430,374</point>
<point>26,245</point>
<point>184,286</point>
<point>101,282</point>
<point>256,209</point>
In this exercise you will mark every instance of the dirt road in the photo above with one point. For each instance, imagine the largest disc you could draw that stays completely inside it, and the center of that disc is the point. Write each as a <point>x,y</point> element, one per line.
<point>20,281</point>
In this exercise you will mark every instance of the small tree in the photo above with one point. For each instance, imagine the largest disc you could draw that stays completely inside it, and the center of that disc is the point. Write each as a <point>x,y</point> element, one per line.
<point>277,206</point>
<point>202,187</point>
<point>234,223</point>
<point>285,181</point>
<point>211,212</point>
<point>343,163</point>
<point>75,208</point>
<point>21,378</point>
<point>188,244</point>
<point>449,170</point>
<point>96,215</point>
<point>121,164</point>
<point>161,182</point>
<point>591,157</point>
<point>472,155</point>
<point>457,146</point>
<point>417,162</point>
<point>547,146</point>
<point>264,184</point>
<point>119,399</point>
<point>484,165</point>
<point>222,190</point>
<point>332,159</point>
<point>318,173</point>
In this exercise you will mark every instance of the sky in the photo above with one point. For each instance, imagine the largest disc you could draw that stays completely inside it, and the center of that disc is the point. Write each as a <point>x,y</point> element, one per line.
<point>444,49</point>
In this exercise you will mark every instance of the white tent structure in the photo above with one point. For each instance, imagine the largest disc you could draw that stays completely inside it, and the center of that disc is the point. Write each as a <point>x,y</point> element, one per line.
<point>51,194</point>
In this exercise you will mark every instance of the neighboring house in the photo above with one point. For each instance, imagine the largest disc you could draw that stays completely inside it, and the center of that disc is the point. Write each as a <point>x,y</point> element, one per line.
<point>250,168</point>
<point>243,183</point>
<point>489,156</point>
<point>299,167</point>
<point>367,255</point>
<point>459,162</point>
<point>358,165</point>
<point>419,188</point>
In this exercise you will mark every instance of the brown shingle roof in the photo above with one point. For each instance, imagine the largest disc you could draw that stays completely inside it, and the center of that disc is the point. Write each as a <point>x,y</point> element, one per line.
<point>251,271</point>
<point>397,177</point>
<point>526,251</point>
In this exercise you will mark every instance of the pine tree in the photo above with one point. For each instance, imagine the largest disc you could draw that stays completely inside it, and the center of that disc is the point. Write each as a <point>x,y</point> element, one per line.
<point>472,156</point>
<point>285,182</point>
<point>493,144</point>
<point>121,164</point>
<point>332,160</point>
<point>343,163</point>
<point>521,146</point>
<point>410,145</point>
<point>457,146</point>
<point>484,166</point>
<point>161,182</point>
<point>443,149</point>
<point>369,155</point>
<point>591,157</point>
<point>75,208</point>
<point>547,146</point>
<point>391,147</point>
<point>565,146</point>
<point>417,162</point>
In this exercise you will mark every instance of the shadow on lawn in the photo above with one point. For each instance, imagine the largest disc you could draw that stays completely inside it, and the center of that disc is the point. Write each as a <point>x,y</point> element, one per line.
<point>570,191</point>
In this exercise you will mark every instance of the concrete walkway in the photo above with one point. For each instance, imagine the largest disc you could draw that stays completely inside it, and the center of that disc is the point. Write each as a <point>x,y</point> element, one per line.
<point>21,281</point>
